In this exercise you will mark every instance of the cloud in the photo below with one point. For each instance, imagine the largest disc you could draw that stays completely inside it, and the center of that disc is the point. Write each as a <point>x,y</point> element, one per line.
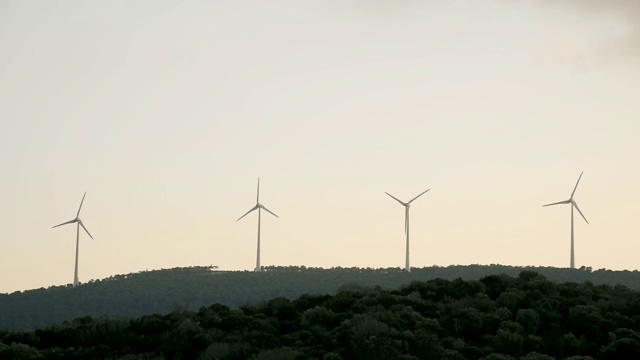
<point>624,45</point>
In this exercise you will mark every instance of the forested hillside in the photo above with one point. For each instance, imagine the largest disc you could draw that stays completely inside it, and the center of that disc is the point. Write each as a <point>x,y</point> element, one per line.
<point>496,318</point>
<point>162,291</point>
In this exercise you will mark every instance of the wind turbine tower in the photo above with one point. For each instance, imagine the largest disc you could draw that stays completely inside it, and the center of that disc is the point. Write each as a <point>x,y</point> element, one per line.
<point>573,205</point>
<point>258,207</point>
<point>407,205</point>
<point>78,225</point>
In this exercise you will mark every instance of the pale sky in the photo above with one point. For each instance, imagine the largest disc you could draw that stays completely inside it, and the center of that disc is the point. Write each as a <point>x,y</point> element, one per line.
<point>166,112</point>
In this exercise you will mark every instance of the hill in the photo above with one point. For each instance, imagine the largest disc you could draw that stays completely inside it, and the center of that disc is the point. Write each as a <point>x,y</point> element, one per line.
<point>162,291</point>
<point>498,317</point>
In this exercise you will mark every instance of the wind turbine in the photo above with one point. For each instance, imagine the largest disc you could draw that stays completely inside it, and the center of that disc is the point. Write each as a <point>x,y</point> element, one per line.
<point>407,205</point>
<point>573,205</point>
<point>79,223</point>
<point>258,207</point>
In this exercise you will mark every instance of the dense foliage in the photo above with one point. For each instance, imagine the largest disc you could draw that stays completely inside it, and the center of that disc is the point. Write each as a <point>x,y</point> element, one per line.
<point>162,291</point>
<point>498,317</point>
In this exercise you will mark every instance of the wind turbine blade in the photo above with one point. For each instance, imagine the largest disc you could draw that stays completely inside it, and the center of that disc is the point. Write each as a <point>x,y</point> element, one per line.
<point>85,229</point>
<point>396,199</point>
<point>577,208</point>
<point>258,193</point>
<point>576,187</point>
<point>559,202</point>
<point>78,214</point>
<point>269,211</point>
<point>410,201</point>
<point>406,219</point>
<point>65,223</point>
<point>247,213</point>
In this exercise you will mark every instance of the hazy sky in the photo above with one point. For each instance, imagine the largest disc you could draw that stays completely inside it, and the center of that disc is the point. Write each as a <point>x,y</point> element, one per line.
<point>166,112</point>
